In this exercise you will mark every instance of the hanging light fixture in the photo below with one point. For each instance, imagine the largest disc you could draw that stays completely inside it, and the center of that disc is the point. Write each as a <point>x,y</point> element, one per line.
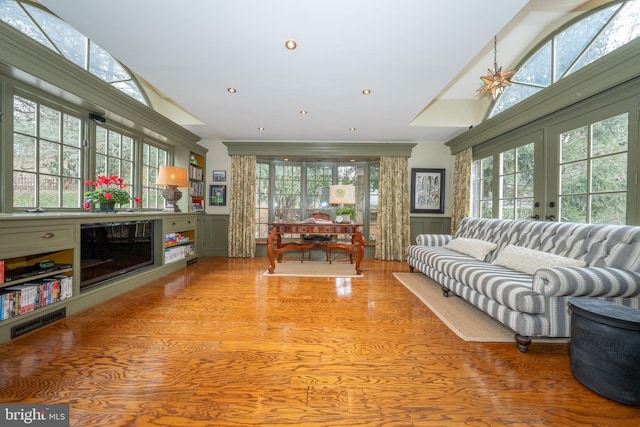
<point>495,81</point>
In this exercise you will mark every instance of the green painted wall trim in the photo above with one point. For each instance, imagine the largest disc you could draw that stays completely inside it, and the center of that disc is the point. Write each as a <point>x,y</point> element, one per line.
<point>320,149</point>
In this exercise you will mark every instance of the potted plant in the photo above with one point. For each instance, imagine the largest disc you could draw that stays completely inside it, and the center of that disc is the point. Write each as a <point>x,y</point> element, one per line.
<point>346,210</point>
<point>106,193</point>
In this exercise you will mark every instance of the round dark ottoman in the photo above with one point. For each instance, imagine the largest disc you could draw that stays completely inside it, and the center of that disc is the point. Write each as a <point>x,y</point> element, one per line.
<point>605,348</point>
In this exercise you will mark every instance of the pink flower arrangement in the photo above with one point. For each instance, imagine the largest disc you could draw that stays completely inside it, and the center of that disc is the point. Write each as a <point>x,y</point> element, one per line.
<point>107,189</point>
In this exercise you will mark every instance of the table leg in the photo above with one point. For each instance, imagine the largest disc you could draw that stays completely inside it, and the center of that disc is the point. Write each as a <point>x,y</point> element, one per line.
<point>270,242</point>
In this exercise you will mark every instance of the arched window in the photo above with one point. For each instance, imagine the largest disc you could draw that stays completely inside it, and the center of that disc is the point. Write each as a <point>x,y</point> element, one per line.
<point>572,48</point>
<point>60,37</point>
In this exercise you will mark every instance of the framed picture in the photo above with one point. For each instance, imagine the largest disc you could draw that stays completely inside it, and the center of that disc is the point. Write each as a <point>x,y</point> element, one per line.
<point>218,195</point>
<point>196,206</point>
<point>427,191</point>
<point>219,176</point>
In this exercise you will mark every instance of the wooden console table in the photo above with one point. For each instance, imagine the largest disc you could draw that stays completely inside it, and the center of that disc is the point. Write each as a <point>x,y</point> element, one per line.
<point>275,246</point>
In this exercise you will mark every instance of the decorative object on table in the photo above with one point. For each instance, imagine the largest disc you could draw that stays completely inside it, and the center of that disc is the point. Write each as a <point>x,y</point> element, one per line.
<point>107,192</point>
<point>219,176</point>
<point>217,195</point>
<point>343,194</point>
<point>427,191</point>
<point>495,81</point>
<point>172,177</point>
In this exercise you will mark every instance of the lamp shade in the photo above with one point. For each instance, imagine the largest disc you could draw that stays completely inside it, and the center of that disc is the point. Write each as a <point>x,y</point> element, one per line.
<point>342,194</point>
<point>172,175</point>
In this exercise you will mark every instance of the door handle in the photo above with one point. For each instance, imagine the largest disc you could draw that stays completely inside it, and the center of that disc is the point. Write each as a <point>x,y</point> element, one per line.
<point>536,217</point>
<point>551,217</point>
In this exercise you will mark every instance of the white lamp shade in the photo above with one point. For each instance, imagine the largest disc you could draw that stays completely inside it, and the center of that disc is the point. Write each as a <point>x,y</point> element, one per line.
<point>172,175</point>
<point>342,194</point>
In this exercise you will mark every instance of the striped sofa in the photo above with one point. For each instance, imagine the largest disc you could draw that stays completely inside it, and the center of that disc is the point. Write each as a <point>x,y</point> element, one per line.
<point>534,303</point>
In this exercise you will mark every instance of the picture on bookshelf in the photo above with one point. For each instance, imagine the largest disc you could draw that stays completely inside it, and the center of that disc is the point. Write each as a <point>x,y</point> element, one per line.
<point>196,206</point>
<point>219,176</point>
<point>218,195</point>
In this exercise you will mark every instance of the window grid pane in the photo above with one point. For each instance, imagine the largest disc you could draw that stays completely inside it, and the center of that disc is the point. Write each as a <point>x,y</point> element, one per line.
<point>114,156</point>
<point>152,158</point>
<point>516,182</point>
<point>262,200</point>
<point>46,156</point>
<point>593,172</point>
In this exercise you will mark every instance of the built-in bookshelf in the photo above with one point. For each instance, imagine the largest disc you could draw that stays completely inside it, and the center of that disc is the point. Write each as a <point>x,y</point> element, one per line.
<point>44,261</point>
<point>30,283</point>
<point>180,240</point>
<point>197,189</point>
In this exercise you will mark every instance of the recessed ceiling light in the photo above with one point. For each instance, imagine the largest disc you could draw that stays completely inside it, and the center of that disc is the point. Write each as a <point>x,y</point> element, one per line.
<point>290,44</point>
<point>260,129</point>
<point>231,90</point>
<point>352,129</point>
<point>366,91</point>
<point>304,112</point>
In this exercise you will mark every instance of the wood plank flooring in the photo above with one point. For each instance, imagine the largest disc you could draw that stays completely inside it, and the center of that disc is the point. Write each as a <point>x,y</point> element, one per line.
<point>219,344</point>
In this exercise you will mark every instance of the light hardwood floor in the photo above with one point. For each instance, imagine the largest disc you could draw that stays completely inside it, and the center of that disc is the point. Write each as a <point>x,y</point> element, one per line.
<point>219,344</point>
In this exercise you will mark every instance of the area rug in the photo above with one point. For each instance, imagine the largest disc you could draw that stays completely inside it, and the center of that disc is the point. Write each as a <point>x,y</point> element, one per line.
<point>314,269</point>
<point>468,322</point>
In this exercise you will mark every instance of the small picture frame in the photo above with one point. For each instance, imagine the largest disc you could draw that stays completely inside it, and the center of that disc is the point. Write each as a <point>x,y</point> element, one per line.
<point>217,195</point>
<point>219,176</point>
<point>196,206</point>
<point>427,191</point>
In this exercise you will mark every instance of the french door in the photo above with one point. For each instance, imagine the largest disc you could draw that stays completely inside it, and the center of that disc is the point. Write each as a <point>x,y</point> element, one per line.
<point>592,163</point>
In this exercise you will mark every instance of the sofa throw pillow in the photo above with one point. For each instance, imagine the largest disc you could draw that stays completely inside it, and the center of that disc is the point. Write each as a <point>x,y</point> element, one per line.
<point>529,260</point>
<point>473,247</point>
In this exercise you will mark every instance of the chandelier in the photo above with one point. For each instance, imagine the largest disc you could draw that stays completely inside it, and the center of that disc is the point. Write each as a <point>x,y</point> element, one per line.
<point>495,81</point>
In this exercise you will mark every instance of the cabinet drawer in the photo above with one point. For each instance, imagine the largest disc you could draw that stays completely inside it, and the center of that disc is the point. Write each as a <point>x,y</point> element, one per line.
<point>179,224</point>
<point>18,241</point>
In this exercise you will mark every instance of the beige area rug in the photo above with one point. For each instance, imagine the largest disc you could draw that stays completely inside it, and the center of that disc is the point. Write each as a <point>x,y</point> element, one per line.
<point>467,321</point>
<point>314,269</point>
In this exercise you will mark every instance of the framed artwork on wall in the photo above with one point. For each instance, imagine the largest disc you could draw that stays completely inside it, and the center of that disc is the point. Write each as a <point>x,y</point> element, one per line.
<point>427,191</point>
<point>219,176</point>
<point>217,195</point>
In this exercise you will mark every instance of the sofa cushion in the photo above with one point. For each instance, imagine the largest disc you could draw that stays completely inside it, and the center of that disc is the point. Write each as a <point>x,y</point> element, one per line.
<point>530,260</point>
<point>473,247</point>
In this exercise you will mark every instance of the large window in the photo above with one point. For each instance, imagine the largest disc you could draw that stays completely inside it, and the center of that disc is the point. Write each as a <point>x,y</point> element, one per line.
<point>289,192</point>
<point>47,156</point>
<point>62,38</point>
<point>571,49</point>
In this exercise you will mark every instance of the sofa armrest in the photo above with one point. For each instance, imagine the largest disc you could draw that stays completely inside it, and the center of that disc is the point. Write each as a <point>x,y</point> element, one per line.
<point>587,281</point>
<point>433,239</point>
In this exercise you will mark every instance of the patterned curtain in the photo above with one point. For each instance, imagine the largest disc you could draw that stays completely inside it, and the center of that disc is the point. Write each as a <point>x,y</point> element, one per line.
<point>461,206</point>
<point>392,228</point>
<point>242,220</point>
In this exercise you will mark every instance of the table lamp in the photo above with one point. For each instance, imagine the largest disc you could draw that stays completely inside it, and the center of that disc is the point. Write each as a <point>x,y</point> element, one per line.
<point>172,177</point>
<point>342,194</point>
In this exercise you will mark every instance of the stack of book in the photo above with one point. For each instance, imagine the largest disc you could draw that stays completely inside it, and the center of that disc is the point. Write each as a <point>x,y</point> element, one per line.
<point>26,297</point>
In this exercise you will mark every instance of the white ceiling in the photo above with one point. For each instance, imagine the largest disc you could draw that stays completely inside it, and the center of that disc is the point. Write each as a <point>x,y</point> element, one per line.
<point>412,54</point>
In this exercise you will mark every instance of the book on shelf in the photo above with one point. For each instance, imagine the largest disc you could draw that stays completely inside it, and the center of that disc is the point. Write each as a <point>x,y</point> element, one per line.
<point>195,172</point>
<point>197,189</point>
<point>27,297</point>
